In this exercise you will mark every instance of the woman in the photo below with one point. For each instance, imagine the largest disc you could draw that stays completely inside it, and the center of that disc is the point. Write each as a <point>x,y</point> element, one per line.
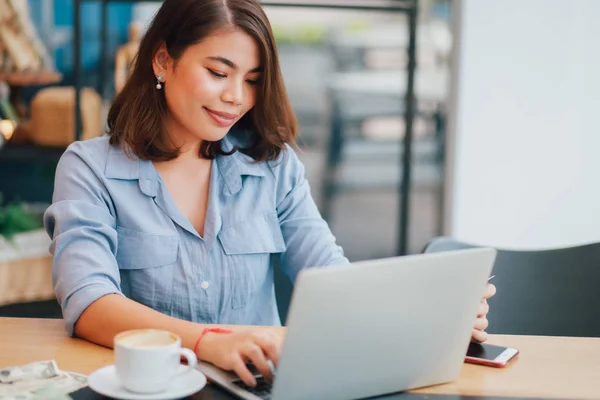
<point>172,220</point>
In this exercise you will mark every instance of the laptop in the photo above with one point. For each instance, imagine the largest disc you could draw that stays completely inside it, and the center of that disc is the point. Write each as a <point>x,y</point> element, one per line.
<point>374,327</point>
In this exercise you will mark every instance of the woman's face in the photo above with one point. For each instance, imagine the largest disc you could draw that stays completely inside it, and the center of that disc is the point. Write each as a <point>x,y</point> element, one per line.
<point>211,86</point>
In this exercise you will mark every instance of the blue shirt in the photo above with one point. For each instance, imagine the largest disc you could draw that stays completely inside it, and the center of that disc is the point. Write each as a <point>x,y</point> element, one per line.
<point>116,229</point>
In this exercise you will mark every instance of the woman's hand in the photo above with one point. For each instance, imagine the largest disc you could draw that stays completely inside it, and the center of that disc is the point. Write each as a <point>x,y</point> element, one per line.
<point>231,352</point>
<point>481,323</point>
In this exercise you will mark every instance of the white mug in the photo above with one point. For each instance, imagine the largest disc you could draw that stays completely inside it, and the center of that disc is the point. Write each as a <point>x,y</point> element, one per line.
<point>147,360</point>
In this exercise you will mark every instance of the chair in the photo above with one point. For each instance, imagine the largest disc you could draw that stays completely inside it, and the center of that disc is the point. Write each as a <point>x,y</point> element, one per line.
<point>545,292</point>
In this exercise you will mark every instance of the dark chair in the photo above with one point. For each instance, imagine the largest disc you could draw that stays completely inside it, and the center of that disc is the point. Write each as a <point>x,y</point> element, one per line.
<point>35,309</point>
<point>544,292</point>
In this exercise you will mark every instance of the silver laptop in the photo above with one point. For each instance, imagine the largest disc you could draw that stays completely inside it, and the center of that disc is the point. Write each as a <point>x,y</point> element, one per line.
<point>374,327</point>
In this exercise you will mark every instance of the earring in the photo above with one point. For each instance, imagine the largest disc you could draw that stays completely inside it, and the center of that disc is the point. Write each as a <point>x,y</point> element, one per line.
<point>159,81</point>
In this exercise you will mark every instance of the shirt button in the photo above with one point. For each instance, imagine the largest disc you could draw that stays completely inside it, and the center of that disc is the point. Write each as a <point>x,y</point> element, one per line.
<point>204,285</point>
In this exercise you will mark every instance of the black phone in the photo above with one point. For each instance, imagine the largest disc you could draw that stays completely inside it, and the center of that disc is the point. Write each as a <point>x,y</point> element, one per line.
<point>489,354</point>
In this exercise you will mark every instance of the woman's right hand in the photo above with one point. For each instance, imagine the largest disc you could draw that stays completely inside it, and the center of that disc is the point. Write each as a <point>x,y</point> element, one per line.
<point>231,352</point>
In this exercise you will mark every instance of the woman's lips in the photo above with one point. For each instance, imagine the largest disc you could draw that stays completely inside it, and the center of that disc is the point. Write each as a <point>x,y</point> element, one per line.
<point>222,119</point>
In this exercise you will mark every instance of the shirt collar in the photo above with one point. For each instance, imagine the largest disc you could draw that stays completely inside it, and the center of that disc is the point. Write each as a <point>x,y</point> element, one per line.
<point>127,166</point>
<point>120,165</point>
<point>235,166</point>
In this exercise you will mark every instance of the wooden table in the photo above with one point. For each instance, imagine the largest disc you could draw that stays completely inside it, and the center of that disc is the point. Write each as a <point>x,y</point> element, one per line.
<point>548,367</point>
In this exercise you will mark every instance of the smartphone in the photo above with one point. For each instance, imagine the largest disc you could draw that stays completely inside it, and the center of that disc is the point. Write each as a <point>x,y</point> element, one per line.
<point>489,354</point>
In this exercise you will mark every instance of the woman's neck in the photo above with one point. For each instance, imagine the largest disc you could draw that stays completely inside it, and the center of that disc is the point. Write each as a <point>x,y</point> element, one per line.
<point>188,143</point>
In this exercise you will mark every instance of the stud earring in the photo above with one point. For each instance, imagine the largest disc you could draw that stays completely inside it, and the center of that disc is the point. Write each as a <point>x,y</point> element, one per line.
<point>159,81</point>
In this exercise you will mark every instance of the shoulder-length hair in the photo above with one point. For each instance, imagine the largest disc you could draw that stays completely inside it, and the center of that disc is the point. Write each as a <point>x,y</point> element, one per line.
<point>136,119</point>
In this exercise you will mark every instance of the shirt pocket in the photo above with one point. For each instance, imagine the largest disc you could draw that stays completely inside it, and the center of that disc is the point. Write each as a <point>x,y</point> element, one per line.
<point>248,246</point>
<point>146,264</point>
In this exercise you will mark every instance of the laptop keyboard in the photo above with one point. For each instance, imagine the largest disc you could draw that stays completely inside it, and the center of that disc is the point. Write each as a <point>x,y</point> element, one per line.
<point>262,389</point>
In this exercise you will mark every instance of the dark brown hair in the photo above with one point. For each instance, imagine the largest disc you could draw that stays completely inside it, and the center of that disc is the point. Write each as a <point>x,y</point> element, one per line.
<point>136,117</point>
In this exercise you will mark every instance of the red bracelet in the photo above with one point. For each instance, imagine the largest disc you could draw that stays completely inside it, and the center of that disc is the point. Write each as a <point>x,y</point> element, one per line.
<point>205,331</point>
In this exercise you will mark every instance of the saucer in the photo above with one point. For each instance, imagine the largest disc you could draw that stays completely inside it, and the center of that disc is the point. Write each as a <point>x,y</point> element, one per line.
<point>105,382</point>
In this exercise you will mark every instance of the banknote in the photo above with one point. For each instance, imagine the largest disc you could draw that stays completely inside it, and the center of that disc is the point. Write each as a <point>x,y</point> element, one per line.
<point>39,380</point>
<point>33,371</point>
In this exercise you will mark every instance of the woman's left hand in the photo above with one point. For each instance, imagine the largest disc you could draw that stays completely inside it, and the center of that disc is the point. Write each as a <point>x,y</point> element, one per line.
<point>481,323</point>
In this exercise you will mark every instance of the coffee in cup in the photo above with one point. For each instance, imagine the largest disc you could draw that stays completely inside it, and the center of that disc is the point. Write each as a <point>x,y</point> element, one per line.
<point>147,360</point>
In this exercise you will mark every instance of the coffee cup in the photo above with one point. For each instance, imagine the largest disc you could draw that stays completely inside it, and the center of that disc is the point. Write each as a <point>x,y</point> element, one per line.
<point>147,360</point>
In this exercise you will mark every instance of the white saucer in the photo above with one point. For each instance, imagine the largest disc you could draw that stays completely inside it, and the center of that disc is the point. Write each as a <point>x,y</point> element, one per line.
<point>105,382</point>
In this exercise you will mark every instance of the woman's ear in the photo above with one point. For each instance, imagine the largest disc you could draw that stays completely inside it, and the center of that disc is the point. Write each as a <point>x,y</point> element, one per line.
<point>161,62</point>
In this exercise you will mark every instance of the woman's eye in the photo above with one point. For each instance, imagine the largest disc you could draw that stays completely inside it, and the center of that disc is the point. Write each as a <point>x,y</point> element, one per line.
<point>216,74</point>
<point>252,82</point>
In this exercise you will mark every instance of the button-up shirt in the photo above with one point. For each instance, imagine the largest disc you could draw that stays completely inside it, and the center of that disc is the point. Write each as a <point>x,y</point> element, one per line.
<point>116,229</point>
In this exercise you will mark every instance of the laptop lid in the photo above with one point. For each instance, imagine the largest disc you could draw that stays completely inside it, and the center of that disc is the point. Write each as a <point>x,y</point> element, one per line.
<point>381,326</point>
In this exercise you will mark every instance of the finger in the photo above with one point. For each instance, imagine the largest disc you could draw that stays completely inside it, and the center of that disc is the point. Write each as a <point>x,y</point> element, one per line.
<point>240,368</point>
<point>479,336</point>
<point>271,346</point>
<point>481,324</point>
<point>483,310</point>
<point>255,354</point>
<point>490,291</point>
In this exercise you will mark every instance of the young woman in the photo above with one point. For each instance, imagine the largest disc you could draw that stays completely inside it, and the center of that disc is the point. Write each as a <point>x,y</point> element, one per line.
<point>172,220</point>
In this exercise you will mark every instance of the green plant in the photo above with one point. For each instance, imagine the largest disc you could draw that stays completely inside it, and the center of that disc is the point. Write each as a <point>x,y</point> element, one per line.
<point>17,218</point>
<point>301,34</point>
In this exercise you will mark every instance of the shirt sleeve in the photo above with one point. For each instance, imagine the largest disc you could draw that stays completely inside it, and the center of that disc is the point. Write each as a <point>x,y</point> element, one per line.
<point>309,241</point>
<point>84,238</point>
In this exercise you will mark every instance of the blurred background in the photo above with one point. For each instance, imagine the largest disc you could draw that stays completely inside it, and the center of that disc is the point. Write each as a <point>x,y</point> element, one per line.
<point>503,134</point>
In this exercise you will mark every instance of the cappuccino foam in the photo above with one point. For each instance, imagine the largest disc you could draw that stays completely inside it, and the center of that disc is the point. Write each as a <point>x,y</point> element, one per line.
<point>146,338</point>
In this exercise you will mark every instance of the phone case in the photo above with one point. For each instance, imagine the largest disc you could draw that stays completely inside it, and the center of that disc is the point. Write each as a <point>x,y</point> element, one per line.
<point>490,363</point>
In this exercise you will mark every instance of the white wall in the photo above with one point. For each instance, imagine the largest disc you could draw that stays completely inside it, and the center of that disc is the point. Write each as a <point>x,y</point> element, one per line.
<point>524,162</point>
